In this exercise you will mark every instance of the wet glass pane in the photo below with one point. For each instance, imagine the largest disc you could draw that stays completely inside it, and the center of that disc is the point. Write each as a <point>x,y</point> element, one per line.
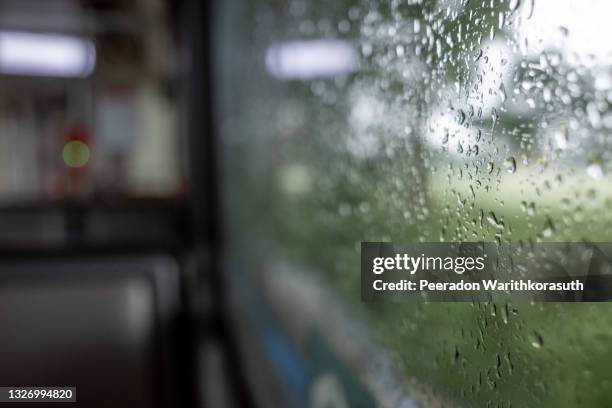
<point>421,121</point>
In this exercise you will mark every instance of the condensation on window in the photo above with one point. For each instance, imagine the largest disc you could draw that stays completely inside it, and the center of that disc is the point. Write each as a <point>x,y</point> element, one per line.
<point>430,121</point>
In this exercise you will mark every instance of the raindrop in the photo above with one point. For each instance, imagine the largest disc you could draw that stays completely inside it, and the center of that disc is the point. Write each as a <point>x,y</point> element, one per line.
<point>514,4</point>
<point>509,363</point>
<point>531,6</point>
<point>502,92</point>
<point>492,218</point>
<point>593,114</point>
<point>344,209</point>
<point>531,209</point>
<point>510,164</point>
<point>505,314</point>
<point>549,228</point>
<point>594,170</point>
<point>456,354</point>
<point>536,340</point>
<point>561,137</point>
<point>364,207</point>
<point>460,117</point>
<point>399,50</point>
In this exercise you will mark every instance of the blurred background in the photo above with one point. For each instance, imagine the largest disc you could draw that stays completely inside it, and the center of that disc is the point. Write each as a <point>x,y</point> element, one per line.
<point>184,187</point>
<point>89,117</point>
<point>101,75</point>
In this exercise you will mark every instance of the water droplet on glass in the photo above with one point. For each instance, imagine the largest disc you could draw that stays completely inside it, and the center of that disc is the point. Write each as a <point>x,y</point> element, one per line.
<point>492,218</point>
<point>530,7</point>
<point>505,314</point>
<point>445,138</point>
<point>561,137</point>
<point>536,340</point>
<point>460,117</point>
<point>593,114</point>
<point>549,228</point>
<point>344,209</point>
<point>502,92</point>
<point>456,354</point>
<point>531,209</point>
<point>510,164</point>
<point>364,207</point>
<point>399,50</point>
<point>594,170</point>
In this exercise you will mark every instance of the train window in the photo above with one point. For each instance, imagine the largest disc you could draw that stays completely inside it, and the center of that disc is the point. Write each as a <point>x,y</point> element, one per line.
<point>421,121</point>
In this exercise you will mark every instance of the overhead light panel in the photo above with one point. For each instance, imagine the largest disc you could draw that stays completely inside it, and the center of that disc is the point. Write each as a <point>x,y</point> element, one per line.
<point>310,59</point>
<point>46,54</point>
